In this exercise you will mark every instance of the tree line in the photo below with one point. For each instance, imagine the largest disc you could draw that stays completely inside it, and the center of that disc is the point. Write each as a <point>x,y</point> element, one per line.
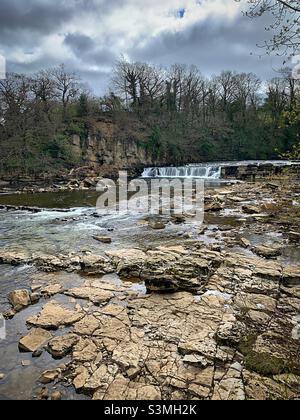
<point>177,114</point>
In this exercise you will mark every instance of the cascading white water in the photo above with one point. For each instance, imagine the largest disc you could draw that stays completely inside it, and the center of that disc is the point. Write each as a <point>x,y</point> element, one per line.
<point>209,171</point>
<point>200,171</point>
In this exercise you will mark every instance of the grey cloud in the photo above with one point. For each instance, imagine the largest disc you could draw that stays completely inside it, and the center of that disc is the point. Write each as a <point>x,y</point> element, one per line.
<point>24,20</point>
<point>79,43</point>
<point>19,19</point>
<point>213,45</point>
<point>87,50</point>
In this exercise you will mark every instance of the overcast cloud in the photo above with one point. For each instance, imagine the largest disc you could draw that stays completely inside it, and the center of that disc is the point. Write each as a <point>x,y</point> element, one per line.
<point>90,35</point>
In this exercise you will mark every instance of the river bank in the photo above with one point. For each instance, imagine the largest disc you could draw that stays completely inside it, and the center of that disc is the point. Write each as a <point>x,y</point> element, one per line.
<point>169,311</point>
<point>86,178</point>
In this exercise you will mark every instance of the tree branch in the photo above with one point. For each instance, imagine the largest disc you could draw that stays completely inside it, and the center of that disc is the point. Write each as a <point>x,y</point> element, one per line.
<point>294,8</point>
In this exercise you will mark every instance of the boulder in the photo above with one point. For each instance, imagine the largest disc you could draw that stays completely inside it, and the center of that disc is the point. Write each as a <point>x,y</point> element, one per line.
<point>103,239</point>
<point>157,224</point>
<point>36,339</point>
<point>49,376</point>
<point>56,396</point>
<point>19,299</point>
<point>267,251</point>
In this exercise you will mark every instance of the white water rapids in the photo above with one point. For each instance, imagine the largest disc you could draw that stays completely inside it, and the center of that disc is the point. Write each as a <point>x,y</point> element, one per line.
<point>209,171</point>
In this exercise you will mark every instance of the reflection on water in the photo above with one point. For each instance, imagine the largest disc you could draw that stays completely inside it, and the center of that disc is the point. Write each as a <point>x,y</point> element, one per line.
<point>59,200</point>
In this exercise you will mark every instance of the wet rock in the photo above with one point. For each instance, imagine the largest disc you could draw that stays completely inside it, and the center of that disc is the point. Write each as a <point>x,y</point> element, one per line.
<point>214,207</point>
<point>43,394</point>
<point>294,237</point>
<point>54,315</point>
<point>267,252</point>
<point>37,353</point>
<point>59,347</point>
<point>9,314</point>
<point>157,224</point>
<point>236,199</point>
<point>178,219</point>
<point>14,257</point>
<point>49,376</point>
<point>291,275</point>
<point>56,396</point>
<point>2,376</point>
<point>36,339</point>
<point>103,239</point>
<point>249,209</point>
<point>19,299</point>
<point>245,243</point>
<point>35,297</point>
<point>202,229</point>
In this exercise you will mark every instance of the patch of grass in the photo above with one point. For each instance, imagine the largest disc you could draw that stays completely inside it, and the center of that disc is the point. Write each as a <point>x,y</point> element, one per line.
<point>262,363</point>
<point>246,345</point>
<point>265,364</point>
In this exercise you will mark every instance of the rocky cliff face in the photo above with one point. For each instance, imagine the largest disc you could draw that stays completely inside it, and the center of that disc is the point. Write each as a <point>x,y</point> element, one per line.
<point>105,145</point>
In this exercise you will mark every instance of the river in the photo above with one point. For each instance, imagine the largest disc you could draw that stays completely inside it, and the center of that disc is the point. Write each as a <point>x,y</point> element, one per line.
<point>67,223</point>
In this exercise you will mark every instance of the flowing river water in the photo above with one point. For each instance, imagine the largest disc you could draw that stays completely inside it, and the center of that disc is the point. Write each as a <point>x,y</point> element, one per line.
<point>67,223</point>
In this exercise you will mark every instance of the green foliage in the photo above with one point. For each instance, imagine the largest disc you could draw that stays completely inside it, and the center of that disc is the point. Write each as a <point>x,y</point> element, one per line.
<point>83,106</point>
<point>153,145</point>
<point>77,127</point>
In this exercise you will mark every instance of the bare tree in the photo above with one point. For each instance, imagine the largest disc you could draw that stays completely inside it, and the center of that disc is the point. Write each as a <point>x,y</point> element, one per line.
<point>139,83</point>
<point>125,81</point>
<point>227,85</point>
<point>67,86</point>
<point>285,28</point>
<point>44,89</point>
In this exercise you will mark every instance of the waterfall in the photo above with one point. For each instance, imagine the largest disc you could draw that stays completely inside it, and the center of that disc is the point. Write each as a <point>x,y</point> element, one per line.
<point>199,171</point>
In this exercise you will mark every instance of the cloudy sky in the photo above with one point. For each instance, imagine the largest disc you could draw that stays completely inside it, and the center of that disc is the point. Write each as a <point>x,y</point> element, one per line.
<point>90,35</point>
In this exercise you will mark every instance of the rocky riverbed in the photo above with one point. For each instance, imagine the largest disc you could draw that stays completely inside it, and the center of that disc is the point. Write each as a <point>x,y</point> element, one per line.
<point>175,310</point>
